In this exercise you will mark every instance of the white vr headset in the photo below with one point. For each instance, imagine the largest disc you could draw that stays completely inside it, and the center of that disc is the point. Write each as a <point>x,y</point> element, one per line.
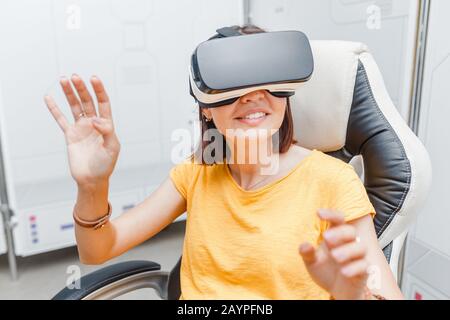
<point>231,65</point>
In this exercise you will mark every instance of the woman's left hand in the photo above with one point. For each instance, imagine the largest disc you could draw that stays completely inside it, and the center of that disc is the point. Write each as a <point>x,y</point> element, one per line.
<point>339,264</point>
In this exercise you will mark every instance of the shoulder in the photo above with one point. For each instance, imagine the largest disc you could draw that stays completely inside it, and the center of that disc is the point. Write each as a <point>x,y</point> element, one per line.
<point>330,166</point>
<point>190,169</point>
<point>187,167</point>
<point>333,172</point>
<point>186,174</point>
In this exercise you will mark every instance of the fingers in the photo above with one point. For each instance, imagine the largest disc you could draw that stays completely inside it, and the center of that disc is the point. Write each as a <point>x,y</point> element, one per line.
<point>334,218</point>
<point>338,232</point>
<point>338,236</point>
<point>85,96</point>
<point>348,252</point>
<point>72,99</point>
<point>104,106</point>
<point>355,269</point>
<point>103,125</point>
<point>308,253</point>
<point>106,128</point>
<point>57,114</point>
<point>341,241</point>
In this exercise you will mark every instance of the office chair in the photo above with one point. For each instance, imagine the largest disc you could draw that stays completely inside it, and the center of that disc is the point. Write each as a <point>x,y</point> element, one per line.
<point>344,111</point>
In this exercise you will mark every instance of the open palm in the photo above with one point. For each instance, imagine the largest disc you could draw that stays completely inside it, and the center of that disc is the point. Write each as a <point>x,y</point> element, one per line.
<point>92,144</point>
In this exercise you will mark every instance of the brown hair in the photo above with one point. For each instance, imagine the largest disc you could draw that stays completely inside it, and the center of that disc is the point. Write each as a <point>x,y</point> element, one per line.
<point>286,131</point>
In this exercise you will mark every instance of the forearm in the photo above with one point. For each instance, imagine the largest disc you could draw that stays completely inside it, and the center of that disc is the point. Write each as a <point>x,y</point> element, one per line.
<point>94,246</point>
<point>381,280</point>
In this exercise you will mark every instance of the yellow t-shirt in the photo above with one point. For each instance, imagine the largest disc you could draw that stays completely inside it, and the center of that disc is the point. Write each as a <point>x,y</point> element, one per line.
<point>244,244</point>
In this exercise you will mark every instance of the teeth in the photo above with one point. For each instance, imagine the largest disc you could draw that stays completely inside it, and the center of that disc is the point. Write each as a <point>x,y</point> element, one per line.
<point>256,115</point>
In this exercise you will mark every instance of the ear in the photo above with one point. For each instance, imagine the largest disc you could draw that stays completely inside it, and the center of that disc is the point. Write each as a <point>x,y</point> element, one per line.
<point>207,113</point>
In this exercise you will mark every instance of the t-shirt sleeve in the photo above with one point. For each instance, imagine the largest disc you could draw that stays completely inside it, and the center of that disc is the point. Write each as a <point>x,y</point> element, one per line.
<point>350,195</point>
<point>181,176</point>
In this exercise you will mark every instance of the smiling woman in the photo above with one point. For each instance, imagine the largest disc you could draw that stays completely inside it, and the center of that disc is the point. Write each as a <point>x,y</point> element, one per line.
<point>249,235</point>
<point>258,113</point>
<point>233,116</point>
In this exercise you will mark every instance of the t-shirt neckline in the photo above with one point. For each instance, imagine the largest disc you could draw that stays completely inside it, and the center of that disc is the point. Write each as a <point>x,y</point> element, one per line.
<point>273,183</point>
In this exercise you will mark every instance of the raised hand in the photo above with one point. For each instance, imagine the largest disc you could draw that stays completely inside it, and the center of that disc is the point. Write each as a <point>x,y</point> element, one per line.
<point>92,144</point>
<point>339,263</point>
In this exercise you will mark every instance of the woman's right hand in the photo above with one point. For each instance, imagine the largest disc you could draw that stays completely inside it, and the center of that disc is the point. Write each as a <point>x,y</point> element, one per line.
<point>92,144</point>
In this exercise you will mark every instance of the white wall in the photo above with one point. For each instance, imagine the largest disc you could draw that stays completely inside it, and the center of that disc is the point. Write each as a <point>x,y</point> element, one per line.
<point>3,246</point>
<point>392,41</point>
<point>427,269</point>
<point>141,49</point>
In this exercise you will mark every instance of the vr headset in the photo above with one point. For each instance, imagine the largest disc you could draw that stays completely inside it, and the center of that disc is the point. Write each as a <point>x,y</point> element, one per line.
<point>231,65</point>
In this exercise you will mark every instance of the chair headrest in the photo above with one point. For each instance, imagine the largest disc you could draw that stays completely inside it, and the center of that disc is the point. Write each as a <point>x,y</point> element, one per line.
<point>321,107</point>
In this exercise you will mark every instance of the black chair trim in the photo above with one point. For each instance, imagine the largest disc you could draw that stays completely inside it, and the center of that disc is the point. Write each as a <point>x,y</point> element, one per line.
<point>174,285</point>
<point>101,278</point>
<point>387,174</point>
<point>388,251</point>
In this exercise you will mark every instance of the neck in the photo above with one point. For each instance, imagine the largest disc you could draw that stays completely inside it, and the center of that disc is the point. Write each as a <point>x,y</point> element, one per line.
<point>249,167</point>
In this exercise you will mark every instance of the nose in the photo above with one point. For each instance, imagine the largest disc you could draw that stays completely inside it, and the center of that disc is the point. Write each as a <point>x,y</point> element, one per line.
<point>253,96</point>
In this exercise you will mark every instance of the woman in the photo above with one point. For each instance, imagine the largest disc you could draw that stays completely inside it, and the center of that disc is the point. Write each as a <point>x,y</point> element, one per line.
<point>248,235</point>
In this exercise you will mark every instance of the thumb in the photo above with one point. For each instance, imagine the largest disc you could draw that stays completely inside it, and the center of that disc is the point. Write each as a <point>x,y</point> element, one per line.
<point>106,129</point>
<point>308,253</point>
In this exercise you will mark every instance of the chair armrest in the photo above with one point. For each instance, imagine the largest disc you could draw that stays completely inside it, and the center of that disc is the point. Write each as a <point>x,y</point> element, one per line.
<point>110,275</point>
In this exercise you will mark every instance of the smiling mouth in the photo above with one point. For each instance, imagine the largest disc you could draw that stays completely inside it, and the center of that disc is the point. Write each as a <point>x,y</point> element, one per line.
<point>254,116</point>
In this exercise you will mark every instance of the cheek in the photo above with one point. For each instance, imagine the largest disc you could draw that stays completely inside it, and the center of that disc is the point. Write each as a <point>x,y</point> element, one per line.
<point>223,118</point>
<point>279,106</point>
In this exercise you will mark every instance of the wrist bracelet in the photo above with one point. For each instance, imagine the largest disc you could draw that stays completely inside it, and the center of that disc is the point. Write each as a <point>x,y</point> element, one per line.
<point>368,294</point>
<point>99,223</point>
<point>371,296</point>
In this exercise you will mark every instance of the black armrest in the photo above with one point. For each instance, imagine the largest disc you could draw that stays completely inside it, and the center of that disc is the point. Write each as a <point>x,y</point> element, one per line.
<point>102,277</point>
